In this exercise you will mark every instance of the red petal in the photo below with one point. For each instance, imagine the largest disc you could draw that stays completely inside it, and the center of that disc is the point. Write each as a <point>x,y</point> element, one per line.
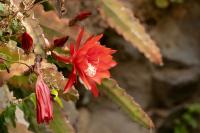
<point>44,107</point>
<point>72,50</point>
<point>84,80</point>
<point>27,42</point>
<point>88,83</point>
<point>71,80</point>
<point>60,58</point>
<point>101,75</point>
<point>83,15</point>
<point>80,36</point>
<point>94,89</point>
<point>60,42</point>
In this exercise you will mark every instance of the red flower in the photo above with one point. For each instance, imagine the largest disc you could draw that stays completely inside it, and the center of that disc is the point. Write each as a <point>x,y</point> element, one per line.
<point>91,61</point>
<point>44,106</point>
<point>27,42</point>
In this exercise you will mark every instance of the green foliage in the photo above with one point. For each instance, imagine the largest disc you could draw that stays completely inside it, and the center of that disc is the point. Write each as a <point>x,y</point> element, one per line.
<point>188,119</point>
<point>6,117</point>
<point>16,26</point>
<point>180,129</point>
<point>8,53</point>
<point>1,7</point>
<point>162,3</point>
<point>27,105</point>
<point>125,23</point>
<point>166,3</point>
<point>29,108</point>
<point>126,102</point>
<point>60,124</point>
<point>54,93</point>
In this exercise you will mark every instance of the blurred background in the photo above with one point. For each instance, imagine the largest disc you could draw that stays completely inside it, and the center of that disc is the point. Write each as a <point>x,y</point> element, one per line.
<point>169,94</point>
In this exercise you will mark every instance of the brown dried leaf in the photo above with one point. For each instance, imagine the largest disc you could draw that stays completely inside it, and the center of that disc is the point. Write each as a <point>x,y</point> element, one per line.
<point>51,21</point>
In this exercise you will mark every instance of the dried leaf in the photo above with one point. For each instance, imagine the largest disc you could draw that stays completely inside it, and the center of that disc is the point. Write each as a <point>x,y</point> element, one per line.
<point>33,28</point>
<point>126,102</point>
<point>52,22</point>
<point>14,54</point>
<point>122,19</point>
<point>56,80</point>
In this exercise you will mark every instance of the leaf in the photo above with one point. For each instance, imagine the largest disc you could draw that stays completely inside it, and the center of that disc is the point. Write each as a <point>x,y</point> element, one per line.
<point>8,54</point>
<point>60,124</point>
<point>59,101</point>
<point>126,102</point>
<point>180,129</point>
<point>5,97</point>
<point>1,7</point>
<point>194,108</point>
<point>14,54</point>
<point>55,80</point>
<point>28,106</point>
<point>122,19</point>
<point>36,32</point>
<point>54,93</point>
<point>6,117</point>
<point>162,3</point>
<point>55,26</point>
<point>4,9</point>
<point>190,120</point>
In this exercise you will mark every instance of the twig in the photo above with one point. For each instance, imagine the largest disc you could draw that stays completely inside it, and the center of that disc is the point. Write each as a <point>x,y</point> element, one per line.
<point>30,67</point>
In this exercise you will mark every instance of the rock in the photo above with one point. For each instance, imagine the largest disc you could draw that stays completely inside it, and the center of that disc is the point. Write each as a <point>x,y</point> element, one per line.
<point>172,86</point>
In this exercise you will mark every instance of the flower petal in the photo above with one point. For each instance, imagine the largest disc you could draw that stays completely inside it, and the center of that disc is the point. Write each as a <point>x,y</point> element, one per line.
<point>44,106</point>
<point>71,80</point>
<point>94,89</point>
<point>60,58</point>
<point>60,42</point>
<point>72,50</point>
<point>80,36</point>
<point>101,75</point>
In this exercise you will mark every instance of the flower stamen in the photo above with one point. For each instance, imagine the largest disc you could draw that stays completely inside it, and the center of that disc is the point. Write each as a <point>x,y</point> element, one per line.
<point>91,70</point>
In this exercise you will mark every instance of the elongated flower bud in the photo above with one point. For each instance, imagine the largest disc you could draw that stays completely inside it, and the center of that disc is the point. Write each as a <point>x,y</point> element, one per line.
<point>43,98</point>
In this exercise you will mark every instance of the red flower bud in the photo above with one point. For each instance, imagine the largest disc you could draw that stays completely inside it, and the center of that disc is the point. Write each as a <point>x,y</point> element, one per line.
<point>81,16</point>
<point>27,42</point>
<point>60,42</point>
<point>43,98</point>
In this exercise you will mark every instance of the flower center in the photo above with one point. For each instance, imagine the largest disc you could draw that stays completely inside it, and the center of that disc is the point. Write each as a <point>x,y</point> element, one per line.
<point>91,70</point>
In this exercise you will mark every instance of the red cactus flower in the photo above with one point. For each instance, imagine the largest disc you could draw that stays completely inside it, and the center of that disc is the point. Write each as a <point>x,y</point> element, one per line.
<point>91,61</point>
<point>44,106</point>
<point>27,42</point>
